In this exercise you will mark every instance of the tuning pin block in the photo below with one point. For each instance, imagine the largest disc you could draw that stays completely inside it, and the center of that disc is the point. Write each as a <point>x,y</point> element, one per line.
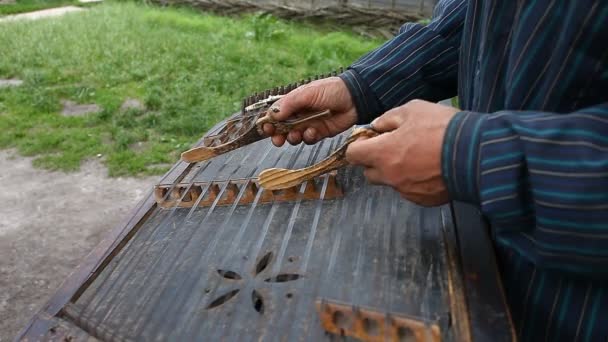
<point>184,195</point>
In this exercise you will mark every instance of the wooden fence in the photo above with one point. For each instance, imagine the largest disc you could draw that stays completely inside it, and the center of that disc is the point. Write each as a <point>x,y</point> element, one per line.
<point>369,17</point>
<point>421,7</point>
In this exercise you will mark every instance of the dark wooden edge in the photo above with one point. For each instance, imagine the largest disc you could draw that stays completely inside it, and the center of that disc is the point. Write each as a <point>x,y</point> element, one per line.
<point>93,263</point>
<point>459,323</point>
<point>488,311</point>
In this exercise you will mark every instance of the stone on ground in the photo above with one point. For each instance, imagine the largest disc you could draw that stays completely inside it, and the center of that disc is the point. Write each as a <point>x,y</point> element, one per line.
<point>139,146</point>
<point>132,104</point>
<point>71,108</point>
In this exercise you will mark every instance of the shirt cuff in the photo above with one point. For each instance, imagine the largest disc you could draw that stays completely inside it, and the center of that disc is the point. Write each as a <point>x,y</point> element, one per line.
<point>367,104</point>
<point>460,156</point>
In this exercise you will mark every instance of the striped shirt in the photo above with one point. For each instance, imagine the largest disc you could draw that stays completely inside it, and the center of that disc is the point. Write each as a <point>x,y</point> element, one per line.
<point>530,146</point>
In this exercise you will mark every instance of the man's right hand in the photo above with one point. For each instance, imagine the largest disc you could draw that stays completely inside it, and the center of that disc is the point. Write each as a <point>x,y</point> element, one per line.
<point>330,93</point>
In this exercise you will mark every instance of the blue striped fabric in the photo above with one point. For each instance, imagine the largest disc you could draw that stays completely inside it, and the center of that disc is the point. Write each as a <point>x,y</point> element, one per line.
<point>530,146</point>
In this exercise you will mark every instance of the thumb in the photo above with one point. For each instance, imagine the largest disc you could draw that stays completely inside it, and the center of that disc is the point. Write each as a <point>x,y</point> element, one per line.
<point>300,100</point>
<point>390,120</point>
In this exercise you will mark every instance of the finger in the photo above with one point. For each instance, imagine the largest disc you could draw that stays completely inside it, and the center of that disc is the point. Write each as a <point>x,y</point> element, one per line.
<point>390,120</point>
<point>363,152</point>
<point>311,136</point>
<point>373,175</point>
<point>299,100</point>
<point>278,140</point>
<point>268,129</point>
<point>315,130</point>
<point>294,137</point>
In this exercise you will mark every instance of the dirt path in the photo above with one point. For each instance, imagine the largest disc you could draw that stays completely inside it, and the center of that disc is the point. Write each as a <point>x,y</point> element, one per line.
<point>48,222</point>
<point>47,13</point>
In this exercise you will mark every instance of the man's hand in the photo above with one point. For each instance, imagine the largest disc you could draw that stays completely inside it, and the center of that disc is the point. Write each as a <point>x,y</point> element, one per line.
<point>330,93</point>
<point>408,156</point>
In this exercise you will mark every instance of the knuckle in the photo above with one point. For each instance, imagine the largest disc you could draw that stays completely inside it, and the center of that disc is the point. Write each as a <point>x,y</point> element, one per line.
<point>349,155</point>
<point>353,153</point>
<point>415,102</point>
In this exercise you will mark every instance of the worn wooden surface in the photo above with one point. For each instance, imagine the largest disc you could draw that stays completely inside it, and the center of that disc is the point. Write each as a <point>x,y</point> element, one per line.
<point>200,273</point>
<point>255,271</point>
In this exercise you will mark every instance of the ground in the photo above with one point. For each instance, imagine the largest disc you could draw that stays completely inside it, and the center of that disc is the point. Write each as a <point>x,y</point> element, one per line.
<point>50,221</point>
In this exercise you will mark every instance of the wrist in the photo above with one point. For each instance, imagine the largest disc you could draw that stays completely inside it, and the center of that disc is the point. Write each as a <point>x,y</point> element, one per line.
<point>460,156</point>
<point>367,106</point>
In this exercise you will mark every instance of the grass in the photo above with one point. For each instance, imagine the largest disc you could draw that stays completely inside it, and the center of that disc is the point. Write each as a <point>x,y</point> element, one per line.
<point>190,70</point>
<point>21,6</point>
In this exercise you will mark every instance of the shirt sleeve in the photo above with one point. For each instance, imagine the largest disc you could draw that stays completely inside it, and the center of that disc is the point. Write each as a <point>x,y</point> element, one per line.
<point>420,62</point>
<point>540,178</point>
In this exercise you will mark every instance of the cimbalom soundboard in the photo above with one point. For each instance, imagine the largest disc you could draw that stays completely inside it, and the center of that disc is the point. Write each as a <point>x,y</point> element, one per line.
<point>211,255</point>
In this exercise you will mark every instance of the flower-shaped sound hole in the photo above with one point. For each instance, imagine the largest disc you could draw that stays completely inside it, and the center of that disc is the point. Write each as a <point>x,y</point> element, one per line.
<point>257,299</point>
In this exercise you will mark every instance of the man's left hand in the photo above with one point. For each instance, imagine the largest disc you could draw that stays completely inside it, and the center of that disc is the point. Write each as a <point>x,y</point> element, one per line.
<point>407,156</point>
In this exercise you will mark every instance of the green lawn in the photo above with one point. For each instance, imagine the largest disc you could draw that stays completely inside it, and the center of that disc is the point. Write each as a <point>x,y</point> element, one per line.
<point>190,70</point>
<point>21,6</point>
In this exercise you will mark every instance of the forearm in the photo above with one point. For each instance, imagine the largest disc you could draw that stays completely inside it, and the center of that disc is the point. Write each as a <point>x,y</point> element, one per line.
<point>420,62</point>
<point>540,178</point>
